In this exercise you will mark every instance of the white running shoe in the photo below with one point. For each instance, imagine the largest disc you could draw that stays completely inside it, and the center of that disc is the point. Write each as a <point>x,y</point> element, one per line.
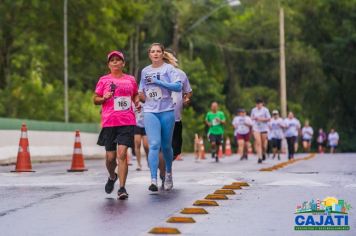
<point>153,187</point>
<point>168,183</point>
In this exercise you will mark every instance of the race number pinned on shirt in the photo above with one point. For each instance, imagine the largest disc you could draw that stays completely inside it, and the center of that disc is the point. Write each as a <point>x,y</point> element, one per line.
<point>215,122</point>
<point>154,93</point>
<point>122,103</point>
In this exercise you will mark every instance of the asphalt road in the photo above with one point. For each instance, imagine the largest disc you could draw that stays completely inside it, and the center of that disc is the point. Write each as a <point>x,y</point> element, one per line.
<point>54,202</point>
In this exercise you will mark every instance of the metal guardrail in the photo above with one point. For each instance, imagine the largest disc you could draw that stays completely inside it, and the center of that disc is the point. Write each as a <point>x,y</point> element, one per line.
<point>15,124</point>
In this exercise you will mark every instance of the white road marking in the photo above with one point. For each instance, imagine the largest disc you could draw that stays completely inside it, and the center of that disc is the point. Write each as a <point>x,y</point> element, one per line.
<point>298,182</point>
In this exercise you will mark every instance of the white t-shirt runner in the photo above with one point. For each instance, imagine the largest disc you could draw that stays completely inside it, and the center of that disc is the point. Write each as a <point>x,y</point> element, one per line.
<point>276,128</point>
<point>292,127</point>
<point>333,139</point>
<point>260,126</point>
<point>178,96</point>
<point>307,133</point>
<point>242,125</point>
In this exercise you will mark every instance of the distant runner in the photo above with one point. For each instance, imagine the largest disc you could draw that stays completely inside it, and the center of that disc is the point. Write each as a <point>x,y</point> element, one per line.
<point>292,126</point>
<point>215,120</point>
<point>307,136</point>
<point>321,140</point>
<point>276,126</point>
<point>333,140</point>
<point>242,125</point>
<point>260,116</point>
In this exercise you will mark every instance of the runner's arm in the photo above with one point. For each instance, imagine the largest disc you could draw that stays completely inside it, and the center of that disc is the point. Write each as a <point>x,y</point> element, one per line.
<point>99,100</point>
<point>142,96</point>
<point>136,101</point>
<point>186,98</point>
<point>175,86</point>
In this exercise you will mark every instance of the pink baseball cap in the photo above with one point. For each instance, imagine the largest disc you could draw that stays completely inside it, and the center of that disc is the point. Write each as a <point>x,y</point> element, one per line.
<point>116,53</point>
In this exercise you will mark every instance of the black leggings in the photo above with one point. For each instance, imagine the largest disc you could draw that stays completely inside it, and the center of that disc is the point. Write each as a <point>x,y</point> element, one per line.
<point>291,142</point>
<point>177,139</point>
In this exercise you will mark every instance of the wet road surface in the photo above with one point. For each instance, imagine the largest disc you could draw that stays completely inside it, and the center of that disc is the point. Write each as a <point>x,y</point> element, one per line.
<point>54,202</point>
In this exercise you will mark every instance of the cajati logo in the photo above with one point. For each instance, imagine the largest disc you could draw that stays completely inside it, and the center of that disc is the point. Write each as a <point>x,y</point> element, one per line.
<point>328,214</point>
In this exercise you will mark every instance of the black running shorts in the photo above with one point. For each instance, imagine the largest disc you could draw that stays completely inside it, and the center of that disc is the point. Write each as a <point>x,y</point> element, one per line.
<point>217,138</point>
<point>110,137</point>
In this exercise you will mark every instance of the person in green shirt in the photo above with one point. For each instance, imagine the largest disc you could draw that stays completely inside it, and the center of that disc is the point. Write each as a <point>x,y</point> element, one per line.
<point>215,120</point>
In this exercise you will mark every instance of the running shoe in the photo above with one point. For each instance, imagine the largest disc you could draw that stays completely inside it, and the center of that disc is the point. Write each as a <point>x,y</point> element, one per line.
<point>109,186</point>
<point>168,183</point>
<point>122,194</point>
<point>153,187</point>
<point>259,161</point>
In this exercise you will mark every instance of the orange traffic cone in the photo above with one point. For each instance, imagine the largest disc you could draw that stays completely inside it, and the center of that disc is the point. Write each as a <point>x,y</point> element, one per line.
<point>202,149</point>
<point>220,152</point>
<point>77,159</point>
<point>23,163</point>
<point>228,147</point>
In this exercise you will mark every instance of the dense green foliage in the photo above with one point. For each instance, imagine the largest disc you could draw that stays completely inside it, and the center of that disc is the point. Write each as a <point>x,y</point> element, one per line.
<point>231,56</point>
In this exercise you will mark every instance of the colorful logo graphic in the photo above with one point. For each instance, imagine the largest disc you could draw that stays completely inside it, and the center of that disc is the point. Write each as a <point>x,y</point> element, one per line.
<point>328,214</point>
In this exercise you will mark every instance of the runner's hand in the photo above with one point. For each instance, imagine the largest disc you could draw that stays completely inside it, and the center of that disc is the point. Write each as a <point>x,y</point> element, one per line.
<point>107,96</point>
<point>186,101</point>
<point>138,106</point>
<point>154,80</point>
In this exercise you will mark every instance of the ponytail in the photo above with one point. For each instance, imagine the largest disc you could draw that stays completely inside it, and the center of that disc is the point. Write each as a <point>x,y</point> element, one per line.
<point>170,59</point>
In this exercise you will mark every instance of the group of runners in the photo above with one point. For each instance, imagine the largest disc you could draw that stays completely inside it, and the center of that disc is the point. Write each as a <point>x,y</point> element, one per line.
<point>268,132</point>
<point>149,113</point>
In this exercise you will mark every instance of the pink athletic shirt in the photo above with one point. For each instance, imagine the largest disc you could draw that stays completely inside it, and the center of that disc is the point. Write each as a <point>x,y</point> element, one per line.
<point>117,111</point>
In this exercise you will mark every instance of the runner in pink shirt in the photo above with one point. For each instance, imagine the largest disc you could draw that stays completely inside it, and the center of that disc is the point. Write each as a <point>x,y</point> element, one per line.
<point>116,92</point>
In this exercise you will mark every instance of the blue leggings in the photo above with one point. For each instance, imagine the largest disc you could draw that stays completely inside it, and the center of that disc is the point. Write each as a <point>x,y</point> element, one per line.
<point>159,130</point>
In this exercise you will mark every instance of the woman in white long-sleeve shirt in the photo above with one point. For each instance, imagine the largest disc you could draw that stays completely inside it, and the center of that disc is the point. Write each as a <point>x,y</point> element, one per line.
<point>292,128</point>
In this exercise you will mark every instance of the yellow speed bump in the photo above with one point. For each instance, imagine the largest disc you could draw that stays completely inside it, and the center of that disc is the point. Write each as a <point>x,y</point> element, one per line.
<point>225,191</point>
<point>164,230</point>
<point>193,211</point>
<point>231,187</point>
<point>280,165</point>
<point>243,184</point>
<point>205,203</point>
<point>180,219</point>
<point>216,197</point>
